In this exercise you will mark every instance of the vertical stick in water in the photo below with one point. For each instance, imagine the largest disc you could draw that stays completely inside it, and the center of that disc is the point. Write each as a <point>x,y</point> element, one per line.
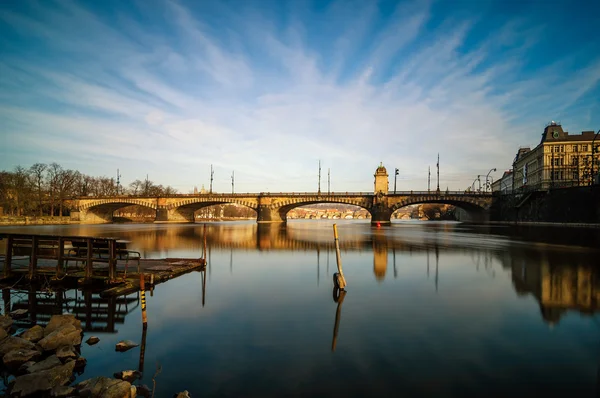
<point>338,278</point>
<point>143,299</point>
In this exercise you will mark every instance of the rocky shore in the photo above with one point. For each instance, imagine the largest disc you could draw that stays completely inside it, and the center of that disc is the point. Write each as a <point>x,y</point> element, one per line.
<point>45,361</point>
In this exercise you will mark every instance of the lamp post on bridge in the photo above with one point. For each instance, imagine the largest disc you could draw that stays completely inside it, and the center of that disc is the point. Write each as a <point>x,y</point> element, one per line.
<point>395,178</point>
<point>232,181</point>
<point>479,181</point>
<point>473,184</point>
<point>486,179</point>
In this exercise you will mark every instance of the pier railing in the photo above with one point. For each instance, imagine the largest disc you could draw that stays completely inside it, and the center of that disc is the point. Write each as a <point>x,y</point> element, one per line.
<point>61,249</point>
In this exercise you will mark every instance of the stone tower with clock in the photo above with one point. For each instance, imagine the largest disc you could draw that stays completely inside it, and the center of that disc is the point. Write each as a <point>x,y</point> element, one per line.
<point>553,132</point>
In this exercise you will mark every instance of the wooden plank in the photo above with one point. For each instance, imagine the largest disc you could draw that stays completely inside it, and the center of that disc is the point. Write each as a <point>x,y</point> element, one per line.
<point>112,260</point>
<point>89,261</point>
<point>33,257</point>
<point>60,260</point>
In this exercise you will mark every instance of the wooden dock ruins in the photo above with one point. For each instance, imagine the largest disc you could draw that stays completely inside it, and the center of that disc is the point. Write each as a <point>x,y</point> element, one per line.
<point>103,263</point>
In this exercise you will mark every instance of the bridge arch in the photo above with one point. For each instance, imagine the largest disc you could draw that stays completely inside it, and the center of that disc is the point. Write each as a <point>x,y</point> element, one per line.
<point>184,209</point>
<point>475,208</point>
<point>102,210</point>
<point>279,209</point>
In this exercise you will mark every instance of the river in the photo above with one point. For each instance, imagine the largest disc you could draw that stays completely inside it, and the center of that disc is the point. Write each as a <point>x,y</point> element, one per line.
<point>431,309</point>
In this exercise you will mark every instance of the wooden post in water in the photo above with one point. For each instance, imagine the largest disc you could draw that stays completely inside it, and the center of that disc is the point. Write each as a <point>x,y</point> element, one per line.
<point>8,256</point>
<point>338,278</point>
<point>143,348</point>
<point>143,299</point>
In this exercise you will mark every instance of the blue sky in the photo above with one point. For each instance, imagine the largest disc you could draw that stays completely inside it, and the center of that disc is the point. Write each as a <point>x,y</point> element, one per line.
<point>267,88</point>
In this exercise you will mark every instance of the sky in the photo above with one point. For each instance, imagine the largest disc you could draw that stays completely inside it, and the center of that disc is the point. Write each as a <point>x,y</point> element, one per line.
<point>266,89</point>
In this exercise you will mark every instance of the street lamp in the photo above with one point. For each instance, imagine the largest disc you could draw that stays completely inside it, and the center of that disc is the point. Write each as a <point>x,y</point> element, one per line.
<point>473,184</point>
<point>486,178</point>
<point>479,181</point>
<point>395,178</point>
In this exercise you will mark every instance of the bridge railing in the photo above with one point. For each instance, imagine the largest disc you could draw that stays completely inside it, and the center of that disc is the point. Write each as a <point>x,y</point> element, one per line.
<point>290,194</point>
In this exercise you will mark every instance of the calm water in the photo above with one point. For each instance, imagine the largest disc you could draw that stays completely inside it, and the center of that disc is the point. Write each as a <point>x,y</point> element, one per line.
<point>431,309</point>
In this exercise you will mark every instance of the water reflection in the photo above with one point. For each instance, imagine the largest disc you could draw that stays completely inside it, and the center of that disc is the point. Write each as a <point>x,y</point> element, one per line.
<point>431,308</point>
<point>97,314</point>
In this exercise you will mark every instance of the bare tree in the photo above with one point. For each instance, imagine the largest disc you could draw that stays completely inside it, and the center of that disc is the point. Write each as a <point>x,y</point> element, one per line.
<point>52,177</point>
<point>37,174</point>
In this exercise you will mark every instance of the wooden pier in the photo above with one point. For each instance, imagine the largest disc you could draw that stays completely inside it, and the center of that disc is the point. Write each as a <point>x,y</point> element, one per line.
<point>85,261</point>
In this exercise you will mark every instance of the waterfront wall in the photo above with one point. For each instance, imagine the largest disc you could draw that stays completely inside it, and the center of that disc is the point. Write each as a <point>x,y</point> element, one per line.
<point>577,205</point>
<point>44,220</point>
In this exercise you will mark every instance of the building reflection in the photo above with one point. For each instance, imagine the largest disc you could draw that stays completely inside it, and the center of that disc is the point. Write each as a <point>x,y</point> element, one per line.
<point>97,314</point>
<point>557,283</point>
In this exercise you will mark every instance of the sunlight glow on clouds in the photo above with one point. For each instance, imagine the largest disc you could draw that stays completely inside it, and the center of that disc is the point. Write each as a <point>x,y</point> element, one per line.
<point>267,88</point>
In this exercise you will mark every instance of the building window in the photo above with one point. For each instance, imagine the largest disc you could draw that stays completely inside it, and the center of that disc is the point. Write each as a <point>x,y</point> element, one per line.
<point>584,148</point>
<point>576,175</point>
<point>575,148</point>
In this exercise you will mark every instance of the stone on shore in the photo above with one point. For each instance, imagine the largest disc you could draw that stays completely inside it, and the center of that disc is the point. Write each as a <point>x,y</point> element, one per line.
<point>66,352</point>
<point>128,375</point>
<point>62,392</point>
<point>105,387</point>
<point>125,345</point>
<point>66,335</point>
<point>11,343</point>
<point>144,391</point>
<point>5,322</point>
<point>184,394</point>
<point>34,334</point>
<point>16,358</point>
<point>3,334</point>
<point>39,383</point>
<point>92,340</point>
<point>48,363</point>
<point>58,322</point>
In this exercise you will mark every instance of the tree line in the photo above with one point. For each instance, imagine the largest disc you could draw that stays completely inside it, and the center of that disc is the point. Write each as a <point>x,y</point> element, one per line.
<point>43,188</point>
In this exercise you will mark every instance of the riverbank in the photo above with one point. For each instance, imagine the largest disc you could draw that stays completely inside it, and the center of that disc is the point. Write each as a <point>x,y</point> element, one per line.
<point>36,220</point>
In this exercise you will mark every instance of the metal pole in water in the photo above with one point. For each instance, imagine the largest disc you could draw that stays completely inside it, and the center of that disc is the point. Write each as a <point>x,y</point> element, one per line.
<point>338,278</point>
<point>143,299</point>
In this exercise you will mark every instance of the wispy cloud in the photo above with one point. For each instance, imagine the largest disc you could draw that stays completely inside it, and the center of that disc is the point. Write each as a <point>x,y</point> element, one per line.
<point>169,89</point>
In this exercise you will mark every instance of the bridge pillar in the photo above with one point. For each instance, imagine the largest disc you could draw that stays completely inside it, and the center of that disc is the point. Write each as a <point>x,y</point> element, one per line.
<point>266,214</point>
<point>93,217</point>
<point>381,213</point>
<point>179,215</point>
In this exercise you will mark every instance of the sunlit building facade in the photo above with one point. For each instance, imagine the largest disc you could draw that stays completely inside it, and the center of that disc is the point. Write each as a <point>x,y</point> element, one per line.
<point>560,160</point>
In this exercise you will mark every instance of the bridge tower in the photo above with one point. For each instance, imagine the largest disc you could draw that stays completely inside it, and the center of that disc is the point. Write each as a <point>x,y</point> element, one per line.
<point>381,180</point>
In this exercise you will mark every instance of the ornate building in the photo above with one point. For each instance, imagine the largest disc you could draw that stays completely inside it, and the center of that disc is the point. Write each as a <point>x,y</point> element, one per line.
<point>560,160</point>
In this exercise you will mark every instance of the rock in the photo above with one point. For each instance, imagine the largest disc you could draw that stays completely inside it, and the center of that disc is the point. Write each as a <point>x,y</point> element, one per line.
<point>58,322</point>
<point>129,375</point>
<point>92,340</point>
<point>48,363</point>
<point>184,394</point>
<point>80,365</point>
<point>42,382</point>
<point>20,313</point>
<point>3,334</point>
<point>23,368</point>
<point>16,358</point>
<point>66,352</point>
<point>12,343</point>
<point>104,387</point>
<point>62,391</point>
<point>34,334</point>
<point>144,391</point>
<point>5,322</point>
<point>67,335</point>
<point>125,345</point>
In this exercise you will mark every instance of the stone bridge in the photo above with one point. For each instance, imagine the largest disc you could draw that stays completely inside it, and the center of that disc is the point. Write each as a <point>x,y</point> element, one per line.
<point>273,207</point>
